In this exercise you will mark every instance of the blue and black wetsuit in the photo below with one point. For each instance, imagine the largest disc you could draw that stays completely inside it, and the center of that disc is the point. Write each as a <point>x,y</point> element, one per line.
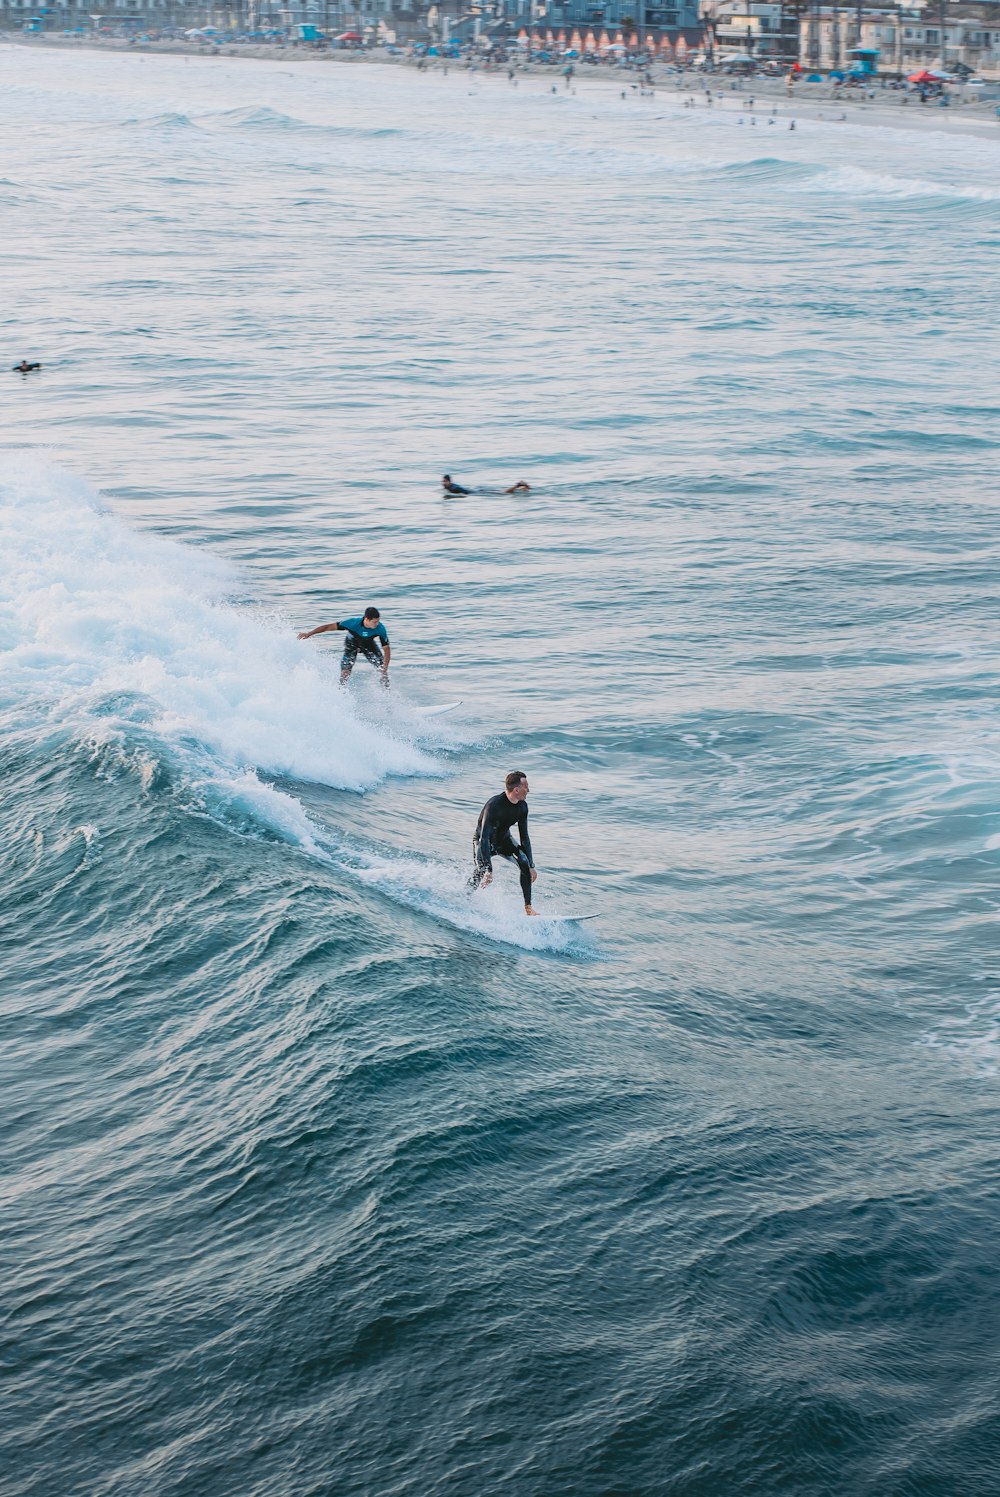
<point>362,638</point>
<point>492,838</point>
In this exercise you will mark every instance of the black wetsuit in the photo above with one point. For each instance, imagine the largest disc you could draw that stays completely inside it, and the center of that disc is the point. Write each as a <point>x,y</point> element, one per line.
<point>492,837</point>
<point>455,488</point>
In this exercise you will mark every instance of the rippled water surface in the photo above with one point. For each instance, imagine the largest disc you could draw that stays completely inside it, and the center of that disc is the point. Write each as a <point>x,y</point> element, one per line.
<point>319,1177</point>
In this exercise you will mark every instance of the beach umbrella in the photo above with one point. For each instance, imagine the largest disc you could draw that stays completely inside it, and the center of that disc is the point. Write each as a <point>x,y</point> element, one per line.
<point>924,76</point>
<point>349,36</point>
<point>570,52</point>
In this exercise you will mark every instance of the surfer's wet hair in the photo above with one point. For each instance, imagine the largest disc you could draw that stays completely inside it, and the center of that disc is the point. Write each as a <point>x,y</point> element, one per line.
<point>372,613</point>
<point>514,779</point>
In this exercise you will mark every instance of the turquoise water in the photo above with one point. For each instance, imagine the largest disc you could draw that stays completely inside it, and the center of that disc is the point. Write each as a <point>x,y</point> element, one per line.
<point>319,1177</point>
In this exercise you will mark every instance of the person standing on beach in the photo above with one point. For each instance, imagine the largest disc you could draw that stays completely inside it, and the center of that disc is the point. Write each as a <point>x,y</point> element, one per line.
<point>492,836</point>
<point>363,636</point>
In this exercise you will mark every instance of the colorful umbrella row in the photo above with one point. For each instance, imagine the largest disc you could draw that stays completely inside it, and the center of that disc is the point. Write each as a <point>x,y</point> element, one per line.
<point>590,42</point>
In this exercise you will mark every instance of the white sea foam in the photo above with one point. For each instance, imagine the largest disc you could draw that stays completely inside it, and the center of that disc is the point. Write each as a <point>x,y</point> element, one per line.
<point>110,635</point>
<point>972,1036</point>
<point>854,181</point>
<point>497,913</point>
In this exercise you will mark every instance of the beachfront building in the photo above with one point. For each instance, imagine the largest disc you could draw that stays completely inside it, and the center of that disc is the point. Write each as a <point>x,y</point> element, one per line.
<point>752,31</point>
<point>630,17</point>
<point>902,40</point>
<point>375,19</point>
<point>226,16</point>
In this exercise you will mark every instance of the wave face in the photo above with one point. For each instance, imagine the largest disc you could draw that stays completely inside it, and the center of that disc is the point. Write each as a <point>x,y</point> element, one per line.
<point>106,630</point>
<point>323,1175</point>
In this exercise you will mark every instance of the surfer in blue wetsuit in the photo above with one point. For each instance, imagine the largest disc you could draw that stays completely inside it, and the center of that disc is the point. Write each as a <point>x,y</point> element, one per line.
<point>363,637</point>
<point>453,488</point>
<point>492,836</point>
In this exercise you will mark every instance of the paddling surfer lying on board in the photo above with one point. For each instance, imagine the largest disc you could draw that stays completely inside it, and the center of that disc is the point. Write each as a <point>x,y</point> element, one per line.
<point>451,487</point>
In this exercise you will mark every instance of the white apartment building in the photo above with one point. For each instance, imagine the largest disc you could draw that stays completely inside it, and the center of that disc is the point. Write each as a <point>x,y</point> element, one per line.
<point>906,40</point>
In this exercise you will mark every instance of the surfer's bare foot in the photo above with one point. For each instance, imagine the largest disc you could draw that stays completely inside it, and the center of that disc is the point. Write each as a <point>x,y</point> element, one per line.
<point>529,911</point>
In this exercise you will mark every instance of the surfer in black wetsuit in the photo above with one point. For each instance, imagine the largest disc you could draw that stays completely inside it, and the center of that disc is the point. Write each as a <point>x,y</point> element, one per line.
<point>492,836</point>
<point>453,488</point>
<point>25,368</point>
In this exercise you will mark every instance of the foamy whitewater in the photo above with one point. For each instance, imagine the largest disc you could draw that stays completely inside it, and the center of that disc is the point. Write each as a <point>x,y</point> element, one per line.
<point>321,1175</point>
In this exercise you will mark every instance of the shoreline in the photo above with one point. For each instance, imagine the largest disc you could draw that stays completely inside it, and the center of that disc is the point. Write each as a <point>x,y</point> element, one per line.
<point>966,116</point>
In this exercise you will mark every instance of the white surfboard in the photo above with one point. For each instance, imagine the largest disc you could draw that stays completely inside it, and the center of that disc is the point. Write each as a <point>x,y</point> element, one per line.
<point>437,709</point>
<point>565,919</point>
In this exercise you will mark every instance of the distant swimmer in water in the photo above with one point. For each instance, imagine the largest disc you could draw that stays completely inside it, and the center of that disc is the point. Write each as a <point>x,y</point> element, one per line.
<point>24,367</point>
<point>363,637</point>
<point>453,488</point>
<point>519,488</point>
<point>492,836</point>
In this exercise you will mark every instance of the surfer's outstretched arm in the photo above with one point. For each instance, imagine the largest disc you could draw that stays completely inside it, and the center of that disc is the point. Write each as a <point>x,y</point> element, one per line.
<point>320,629</point>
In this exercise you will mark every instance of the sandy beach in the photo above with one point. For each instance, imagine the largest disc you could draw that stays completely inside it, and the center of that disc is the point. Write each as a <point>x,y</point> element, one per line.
<point>757,101</point>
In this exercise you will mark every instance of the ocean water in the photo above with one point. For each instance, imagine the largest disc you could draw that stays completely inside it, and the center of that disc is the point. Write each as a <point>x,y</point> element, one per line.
<point>321,1178</point>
